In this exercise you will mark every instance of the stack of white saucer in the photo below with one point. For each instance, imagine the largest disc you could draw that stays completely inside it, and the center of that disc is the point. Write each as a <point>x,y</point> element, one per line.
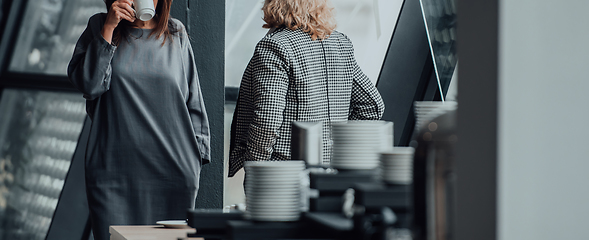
<point>356,144</point>
<point>425,111</point>
<point>273,190</point>
<point>397,165</point>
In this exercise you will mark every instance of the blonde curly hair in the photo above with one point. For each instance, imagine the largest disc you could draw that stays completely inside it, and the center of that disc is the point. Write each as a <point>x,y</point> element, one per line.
<point>312,16</point>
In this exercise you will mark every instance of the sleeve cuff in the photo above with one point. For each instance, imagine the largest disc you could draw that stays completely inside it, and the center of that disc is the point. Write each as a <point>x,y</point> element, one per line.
<point>106,45</point>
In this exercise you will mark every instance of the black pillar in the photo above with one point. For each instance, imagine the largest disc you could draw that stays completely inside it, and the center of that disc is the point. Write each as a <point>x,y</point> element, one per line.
<point>476,150</point>
<point>205,22</point>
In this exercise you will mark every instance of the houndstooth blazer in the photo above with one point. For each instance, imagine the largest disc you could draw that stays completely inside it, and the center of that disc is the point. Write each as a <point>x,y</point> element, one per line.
<point>293,78</point>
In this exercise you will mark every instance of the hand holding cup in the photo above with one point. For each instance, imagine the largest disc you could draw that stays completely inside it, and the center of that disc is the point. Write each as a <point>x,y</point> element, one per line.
<point>119,10</point>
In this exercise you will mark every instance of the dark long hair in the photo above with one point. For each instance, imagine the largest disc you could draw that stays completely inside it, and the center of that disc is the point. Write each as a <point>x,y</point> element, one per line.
<point>165,27</point>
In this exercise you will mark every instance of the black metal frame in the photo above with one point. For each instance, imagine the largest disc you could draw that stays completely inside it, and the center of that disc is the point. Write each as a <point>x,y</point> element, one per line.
<point>407,74</point>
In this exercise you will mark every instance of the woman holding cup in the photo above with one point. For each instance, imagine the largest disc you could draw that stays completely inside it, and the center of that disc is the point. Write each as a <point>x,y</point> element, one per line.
<point>150,133</point>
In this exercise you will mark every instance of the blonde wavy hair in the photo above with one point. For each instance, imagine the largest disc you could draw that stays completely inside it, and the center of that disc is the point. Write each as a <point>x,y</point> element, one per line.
<point>311,16</point>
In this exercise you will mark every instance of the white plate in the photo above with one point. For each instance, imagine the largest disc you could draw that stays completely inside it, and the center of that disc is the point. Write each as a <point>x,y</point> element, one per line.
<point>272,173</point>
<point>275,164</point>
<point>348,167</point>
<point>274,218</point>
<point>274,212</point>
<point>282,178</point>
<point>337,127</point>
<point>252,191</point>
<point>272,193</point>
<point>339,153</point>
<point>274,207</point>
<point>357,140</point>
<point>358,129</point>
<point>273,181</point>
<point>269,172</point>
<point>275,167</point>
<point>344,152</point>
<point>173,223</point>
<point>357,161</point>
<point>355,135</point>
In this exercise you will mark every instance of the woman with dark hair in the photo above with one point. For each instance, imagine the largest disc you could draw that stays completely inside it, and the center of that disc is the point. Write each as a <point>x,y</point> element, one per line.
<point>150,133</point>
<point>302,70</point>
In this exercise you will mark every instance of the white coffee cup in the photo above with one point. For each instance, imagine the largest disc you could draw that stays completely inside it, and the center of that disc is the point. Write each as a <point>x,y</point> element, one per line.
<point>144,9</point>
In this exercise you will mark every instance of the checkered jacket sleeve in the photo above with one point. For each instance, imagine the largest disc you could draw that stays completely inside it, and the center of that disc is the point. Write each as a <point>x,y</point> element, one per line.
<point>365,101</point>
<point>294,78</point>
<point>269,85</point>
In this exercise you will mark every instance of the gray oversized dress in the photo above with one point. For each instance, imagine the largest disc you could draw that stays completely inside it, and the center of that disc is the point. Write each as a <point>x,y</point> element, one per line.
<point>150,132</point>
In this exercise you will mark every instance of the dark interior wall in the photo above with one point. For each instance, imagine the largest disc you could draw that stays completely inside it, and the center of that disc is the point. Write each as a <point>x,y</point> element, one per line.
<point>476,150</point>
<point>205,22</point>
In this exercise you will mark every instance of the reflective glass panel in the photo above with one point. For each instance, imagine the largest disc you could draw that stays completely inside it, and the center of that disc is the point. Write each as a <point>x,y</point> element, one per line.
<point>49,32</point>
<point>440,19</point>
<point>39,132</point>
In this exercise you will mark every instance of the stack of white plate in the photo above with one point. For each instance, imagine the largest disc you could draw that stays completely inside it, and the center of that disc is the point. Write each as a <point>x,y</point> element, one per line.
<point>397,165</point>
<point>273,190</point>
<point>425,111</point>
<point>356,144</point>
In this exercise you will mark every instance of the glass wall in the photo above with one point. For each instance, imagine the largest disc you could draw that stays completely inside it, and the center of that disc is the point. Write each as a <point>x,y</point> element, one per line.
<point>49,32</point>
<point>440,19</point>
<point>39,132</point>
<point>368,23</point>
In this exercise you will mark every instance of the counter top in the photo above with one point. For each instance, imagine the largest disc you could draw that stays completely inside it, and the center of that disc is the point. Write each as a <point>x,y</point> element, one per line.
<point>150,232</point>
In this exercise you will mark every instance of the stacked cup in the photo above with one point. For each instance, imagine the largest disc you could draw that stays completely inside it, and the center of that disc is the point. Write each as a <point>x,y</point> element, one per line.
<point>356,144</point>
<point>273,190</point>
<point>397,165</point>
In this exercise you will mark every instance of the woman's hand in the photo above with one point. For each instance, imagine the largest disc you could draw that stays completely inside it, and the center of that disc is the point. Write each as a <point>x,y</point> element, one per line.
<point>119,10</point>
